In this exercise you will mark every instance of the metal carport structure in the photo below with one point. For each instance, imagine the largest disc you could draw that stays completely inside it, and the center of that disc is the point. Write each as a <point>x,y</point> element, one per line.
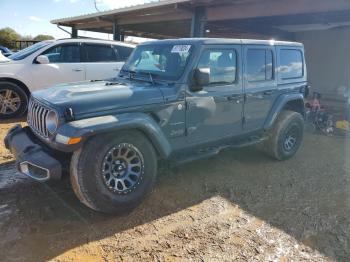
<point>319,24</point>
<point>212,18</point>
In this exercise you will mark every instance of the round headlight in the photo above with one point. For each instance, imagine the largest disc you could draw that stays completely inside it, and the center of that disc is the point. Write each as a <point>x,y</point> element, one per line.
<point>52,122</point>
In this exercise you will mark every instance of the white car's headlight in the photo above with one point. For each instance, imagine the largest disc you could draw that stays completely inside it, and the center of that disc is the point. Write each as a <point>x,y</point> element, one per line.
<point>52,122</point>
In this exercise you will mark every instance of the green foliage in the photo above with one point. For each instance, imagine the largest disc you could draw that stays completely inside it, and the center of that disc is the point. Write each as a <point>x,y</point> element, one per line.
<point>43,37</point>
<point>26,38</point>
<point>8,36</point>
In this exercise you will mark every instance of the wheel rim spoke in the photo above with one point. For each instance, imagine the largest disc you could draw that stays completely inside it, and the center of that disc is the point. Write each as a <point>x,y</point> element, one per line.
<point>16,100</point>
<point>8,94</point>
<point>12,107</point>
<point>291,139</point>
<point>3,109</point>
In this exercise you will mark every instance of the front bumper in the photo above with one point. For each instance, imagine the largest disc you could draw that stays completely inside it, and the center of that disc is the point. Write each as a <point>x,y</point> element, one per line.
<point>31,157</point>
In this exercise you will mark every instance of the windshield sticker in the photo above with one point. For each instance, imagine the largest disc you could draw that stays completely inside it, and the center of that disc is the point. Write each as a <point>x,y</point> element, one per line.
<point>181,49</point>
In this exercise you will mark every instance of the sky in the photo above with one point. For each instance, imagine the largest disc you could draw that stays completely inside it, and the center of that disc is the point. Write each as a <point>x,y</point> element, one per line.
<point>32,17</point>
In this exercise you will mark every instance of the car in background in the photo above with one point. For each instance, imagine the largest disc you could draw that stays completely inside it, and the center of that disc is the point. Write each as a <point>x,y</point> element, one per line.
<point>53,62</point>
<point>5,51</point>
<point>3,58</point>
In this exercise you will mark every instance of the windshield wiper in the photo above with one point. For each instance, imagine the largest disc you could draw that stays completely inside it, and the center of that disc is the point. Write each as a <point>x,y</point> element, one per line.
<point>150,74</point>
<point>132,75</point>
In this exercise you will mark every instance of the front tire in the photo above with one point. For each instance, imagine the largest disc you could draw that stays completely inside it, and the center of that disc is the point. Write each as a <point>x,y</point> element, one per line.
<point>114,173</point>
<point>286,136</point>
<point>13,100</point>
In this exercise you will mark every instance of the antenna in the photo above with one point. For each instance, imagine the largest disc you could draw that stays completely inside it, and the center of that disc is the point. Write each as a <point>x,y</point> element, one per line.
<point>95,3</point>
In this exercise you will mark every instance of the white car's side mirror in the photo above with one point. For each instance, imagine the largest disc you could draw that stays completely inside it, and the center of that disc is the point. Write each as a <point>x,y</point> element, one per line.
<point>43,59</point>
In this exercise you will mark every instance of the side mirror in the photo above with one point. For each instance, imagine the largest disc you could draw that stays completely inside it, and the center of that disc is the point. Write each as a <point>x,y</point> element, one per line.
<point>201,78</point>
<point>42,59</point>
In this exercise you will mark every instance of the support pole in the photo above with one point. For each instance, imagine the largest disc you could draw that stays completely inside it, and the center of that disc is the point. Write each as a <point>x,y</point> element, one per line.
<point>74,33</point>
<point>199,20</point>
<point>118,34</point>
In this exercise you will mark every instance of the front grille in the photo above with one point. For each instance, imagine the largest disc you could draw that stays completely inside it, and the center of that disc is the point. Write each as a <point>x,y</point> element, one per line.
<point>37,117</point>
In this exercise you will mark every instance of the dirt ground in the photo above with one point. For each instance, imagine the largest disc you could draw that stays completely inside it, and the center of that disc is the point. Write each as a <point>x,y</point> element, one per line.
<point>5,155</point>
<point>237,206</point>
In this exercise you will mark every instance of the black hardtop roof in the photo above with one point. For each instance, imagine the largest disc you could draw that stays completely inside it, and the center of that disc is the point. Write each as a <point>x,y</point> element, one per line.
<point>213,41</point>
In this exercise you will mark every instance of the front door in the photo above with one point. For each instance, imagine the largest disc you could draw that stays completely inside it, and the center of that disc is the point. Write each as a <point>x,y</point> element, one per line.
<point>260,85</point>
<point>216,111</point>
<point>64,66</point>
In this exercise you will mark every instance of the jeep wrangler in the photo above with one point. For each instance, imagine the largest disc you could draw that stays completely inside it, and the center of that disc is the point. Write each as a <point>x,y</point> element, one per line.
<point>175,100</point>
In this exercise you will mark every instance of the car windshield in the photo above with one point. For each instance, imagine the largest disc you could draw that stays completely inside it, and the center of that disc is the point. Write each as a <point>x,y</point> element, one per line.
<point>28,51</point>
<point>163,61</point>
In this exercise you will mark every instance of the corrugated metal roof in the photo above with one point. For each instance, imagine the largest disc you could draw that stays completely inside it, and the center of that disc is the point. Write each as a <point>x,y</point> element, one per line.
<point>119,11</point>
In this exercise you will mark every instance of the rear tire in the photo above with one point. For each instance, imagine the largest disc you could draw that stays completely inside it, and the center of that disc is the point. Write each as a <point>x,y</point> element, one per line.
<point>114,173</point>
<point>13,100</point>
<point>285,137</point>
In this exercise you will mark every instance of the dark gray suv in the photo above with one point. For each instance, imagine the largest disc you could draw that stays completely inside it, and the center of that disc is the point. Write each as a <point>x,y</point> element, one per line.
<point>177,100</point>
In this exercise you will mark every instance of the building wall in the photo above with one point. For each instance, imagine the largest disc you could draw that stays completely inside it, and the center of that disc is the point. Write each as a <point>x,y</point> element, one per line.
<point>328,61</point>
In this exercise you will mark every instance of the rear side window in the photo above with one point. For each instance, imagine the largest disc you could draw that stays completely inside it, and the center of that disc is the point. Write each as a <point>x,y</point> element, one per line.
<point>63,54</point>
<point>259,65</point>
<point>100,53</point>
<point>291,64</point>
<point>123,52</point>
<point>222,64</point>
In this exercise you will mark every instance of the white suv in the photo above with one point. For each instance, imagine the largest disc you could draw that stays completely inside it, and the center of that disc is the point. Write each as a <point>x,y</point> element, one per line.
<point>54,62</point>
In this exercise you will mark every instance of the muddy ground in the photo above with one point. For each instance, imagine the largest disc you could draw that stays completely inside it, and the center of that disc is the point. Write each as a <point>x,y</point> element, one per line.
<point>237,206</point>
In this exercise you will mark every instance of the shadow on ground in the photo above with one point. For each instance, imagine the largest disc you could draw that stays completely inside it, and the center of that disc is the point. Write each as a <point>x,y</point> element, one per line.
<point>306,197</point>
<point>12,121</point>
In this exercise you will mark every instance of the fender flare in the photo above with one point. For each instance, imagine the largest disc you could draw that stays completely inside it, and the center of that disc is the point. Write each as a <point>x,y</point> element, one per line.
<point>279,104</point>
<point>142,122</point>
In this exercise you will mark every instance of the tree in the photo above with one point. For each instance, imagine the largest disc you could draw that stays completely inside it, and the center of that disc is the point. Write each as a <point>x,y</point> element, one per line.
<point>8,36</point>
<point>26,38</point>
<point>43,37</point>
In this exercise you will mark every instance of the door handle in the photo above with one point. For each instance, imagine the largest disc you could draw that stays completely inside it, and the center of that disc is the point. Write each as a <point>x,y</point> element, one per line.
<point>116,69</point>
<point>77,70</point>
<point>269,92</point>
<point>237,98</point>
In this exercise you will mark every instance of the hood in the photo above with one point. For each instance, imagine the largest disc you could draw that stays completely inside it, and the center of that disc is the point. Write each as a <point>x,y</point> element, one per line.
<point>101,97</point>
<point>3,58</point>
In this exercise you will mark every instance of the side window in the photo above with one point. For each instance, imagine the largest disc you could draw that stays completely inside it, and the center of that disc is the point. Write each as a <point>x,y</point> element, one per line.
<point>259,65</point>
<point>123,52</point>
<point>291,64</point>
<point>100,53</point>
<point>222,64</point>
<point>63,54</point>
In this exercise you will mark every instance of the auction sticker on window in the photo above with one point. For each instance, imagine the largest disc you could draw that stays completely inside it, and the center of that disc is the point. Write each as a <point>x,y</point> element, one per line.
<point>181,49</point>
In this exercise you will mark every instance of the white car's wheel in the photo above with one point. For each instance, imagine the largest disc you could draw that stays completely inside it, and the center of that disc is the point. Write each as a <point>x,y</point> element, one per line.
<point>13,100</point>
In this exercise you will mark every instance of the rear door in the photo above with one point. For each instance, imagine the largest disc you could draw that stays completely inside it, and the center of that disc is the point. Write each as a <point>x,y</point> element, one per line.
<point>101,61</point>
<point>260,84</point>
<point>64,66</point>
